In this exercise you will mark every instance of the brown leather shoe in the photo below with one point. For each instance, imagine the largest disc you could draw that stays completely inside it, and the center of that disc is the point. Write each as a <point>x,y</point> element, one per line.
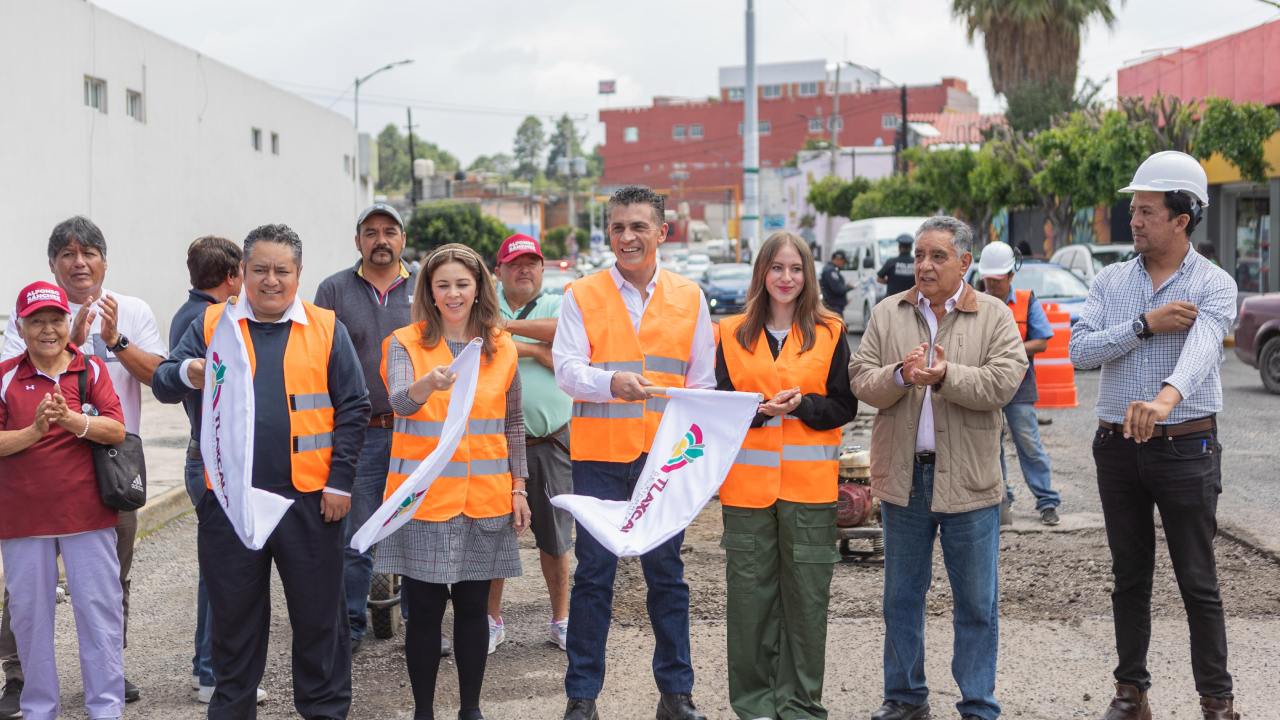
<point>1130,703</point>
<point>1218,709</point>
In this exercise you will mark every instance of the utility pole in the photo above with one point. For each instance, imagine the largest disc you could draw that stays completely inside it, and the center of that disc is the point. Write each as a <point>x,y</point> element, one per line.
<point>750,227</point>
<point>572,218</point>
<point>413,181</point>
<point>901,161</point>
<point>835,114</point>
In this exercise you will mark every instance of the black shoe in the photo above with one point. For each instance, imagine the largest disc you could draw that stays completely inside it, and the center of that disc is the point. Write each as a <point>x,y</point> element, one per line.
<point>1049,516</point>
<point>9,702</point>
<point>473,714</point>
<point>446,647</point>
<point>678,706</point>
<point>581,709</point>
<point>898,710</point>
<point>131,692</point>
<point>355,644</point>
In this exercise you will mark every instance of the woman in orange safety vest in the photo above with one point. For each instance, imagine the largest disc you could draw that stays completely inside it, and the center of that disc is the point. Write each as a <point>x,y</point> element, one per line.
<point>463,535</point>
<point>779,500</point>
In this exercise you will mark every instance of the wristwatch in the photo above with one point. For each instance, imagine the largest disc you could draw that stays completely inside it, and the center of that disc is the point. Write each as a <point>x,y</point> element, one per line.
<point>1141,328</point>
<point>121,344</point>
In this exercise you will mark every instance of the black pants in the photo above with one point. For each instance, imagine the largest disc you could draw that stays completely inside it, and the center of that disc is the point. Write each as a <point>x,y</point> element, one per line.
<point>470,640</point>
<point>1183,477</point>
<point>307,552</point>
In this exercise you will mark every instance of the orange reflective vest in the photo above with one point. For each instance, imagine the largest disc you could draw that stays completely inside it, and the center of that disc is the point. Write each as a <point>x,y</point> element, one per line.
<point>785,459</point>
<point>477,480</point>
<point>1021,306</point>
<point>619,431</point>
<point>306,383</point>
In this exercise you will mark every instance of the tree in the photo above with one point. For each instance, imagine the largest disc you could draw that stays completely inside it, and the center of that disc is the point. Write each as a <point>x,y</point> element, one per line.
<point>454,222</point>
<point>1032,106</point>
<point>948,176</point>
<point>894,195</point>
<point>394,169</point>
<point>833,197</point>
<point>529,145</point>
<point>564,138</point>
<point>500,163</point>
<point>556,244</point>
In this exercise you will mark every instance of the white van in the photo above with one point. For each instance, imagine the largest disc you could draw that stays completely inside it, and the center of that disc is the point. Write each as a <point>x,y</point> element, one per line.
<point>869,244</point>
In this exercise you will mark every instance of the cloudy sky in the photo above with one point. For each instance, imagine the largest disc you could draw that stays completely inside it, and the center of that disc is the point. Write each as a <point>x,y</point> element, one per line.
<point>481,66</point>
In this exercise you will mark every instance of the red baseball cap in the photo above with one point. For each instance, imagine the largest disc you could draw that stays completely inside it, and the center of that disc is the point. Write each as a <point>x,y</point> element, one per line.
<point>518,245</point>
<point>39,295</point>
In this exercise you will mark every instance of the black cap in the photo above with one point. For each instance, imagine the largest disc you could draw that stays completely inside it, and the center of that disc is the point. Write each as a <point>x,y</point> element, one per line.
<point>379,209</point>
<point>905,239</point>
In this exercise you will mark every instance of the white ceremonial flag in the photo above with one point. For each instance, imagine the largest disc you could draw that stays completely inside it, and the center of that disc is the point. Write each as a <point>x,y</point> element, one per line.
<point>696,443</point>
<point>403,503</point>
<point>226,436</point>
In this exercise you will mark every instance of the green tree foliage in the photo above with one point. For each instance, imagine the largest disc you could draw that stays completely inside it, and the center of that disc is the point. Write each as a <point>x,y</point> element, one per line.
<point>500,163</point>
<point>895,195</point>
<point>1237,132</point>
<point>562,139</point>
<point>952,180</point>
<point>1032,106</point>
<point>833,197</point>
<point>556,244</point>
<point>441,223</point>
<point>530,143</point>
<point>394,169</point>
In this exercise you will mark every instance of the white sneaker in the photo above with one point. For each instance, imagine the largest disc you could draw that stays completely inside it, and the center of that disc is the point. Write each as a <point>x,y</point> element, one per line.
<point>206,694</point>
<point>560,632</point>
<point>496,634</point>
<point>195,682</point>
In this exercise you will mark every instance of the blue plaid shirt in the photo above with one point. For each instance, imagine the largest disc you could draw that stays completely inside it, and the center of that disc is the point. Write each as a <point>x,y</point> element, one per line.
<point>1136,369</point>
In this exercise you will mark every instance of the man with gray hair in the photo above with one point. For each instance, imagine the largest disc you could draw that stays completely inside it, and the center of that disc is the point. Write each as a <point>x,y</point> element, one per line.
<point>939,363</point>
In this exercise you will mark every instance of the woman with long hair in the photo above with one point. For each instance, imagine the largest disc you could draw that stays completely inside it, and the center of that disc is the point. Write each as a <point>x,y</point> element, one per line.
<point>779,500</point>
<point>463,535</point>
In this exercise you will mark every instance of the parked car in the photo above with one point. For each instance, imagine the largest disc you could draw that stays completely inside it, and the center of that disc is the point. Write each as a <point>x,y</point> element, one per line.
<point>555,280</point>
<point>1085,261</point>
<point>869,244</point>
<point>726,286</point>
<point>1050,283</point>
<point>695,265</point>
<point>1258,337</point>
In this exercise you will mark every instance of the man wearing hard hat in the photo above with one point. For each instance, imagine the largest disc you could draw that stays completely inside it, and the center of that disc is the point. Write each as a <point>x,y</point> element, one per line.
<point>1155,325</point>
<point>997,269</point>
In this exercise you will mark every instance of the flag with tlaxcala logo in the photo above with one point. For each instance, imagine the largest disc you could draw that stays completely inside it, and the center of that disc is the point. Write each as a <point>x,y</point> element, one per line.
<point>399,508</point>
<point>696,443</point>
<point>226,436</point>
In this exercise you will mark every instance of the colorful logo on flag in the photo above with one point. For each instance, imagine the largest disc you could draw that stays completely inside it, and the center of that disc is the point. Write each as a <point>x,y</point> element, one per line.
<point>219,376</point>
<point>686,451</point>
<point>405,505</point>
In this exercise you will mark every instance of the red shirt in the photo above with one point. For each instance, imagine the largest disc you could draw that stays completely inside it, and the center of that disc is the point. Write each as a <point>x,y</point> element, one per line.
<point>51,487</point>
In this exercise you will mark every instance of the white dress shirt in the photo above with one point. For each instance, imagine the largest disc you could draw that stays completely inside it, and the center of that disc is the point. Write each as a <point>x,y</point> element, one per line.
<point>925,441</point>
<point>571,351</point>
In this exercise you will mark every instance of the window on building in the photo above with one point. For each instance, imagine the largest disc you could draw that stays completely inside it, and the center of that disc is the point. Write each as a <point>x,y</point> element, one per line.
<point>765,127</point>
<point>888,121</point>
<point>257,139</point>
<point>695,131</point>
<point>768,92</point>
<point>677,132</point>
<point>133,104</point>
<point>808,89</point>
<point>815,125</point>
<point>631,134</point>
<point>737,93</point>
<point>275,143</point>
<point>835,123</point>
<point>95,93</point>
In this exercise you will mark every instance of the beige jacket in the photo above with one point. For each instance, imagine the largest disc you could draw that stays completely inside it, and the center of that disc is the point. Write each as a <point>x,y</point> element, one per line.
<point>985,364</point>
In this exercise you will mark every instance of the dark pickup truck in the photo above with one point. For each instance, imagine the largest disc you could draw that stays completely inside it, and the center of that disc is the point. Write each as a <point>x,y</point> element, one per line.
<point>1258,337</point>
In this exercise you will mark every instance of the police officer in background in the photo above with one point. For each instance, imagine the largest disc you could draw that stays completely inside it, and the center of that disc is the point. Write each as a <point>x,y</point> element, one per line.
<point>835,290</point>
<point>899,273</point>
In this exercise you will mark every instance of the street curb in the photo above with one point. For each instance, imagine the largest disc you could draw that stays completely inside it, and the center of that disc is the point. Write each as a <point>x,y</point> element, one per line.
<point>1243,538</point>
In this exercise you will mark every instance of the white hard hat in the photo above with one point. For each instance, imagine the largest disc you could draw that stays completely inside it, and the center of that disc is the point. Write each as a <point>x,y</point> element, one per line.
<point>1171,171</point>
<point>997,260</point>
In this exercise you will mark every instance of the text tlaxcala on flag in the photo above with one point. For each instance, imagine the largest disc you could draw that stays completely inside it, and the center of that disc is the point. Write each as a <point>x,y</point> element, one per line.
<point>399,508</point>
<point>226,436</point>
<point>696,443</point>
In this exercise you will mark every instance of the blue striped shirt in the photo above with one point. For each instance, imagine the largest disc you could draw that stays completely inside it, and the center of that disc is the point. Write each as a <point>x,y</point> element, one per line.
<point>1134,369</point>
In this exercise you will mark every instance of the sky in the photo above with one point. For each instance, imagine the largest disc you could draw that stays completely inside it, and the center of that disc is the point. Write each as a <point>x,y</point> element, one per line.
<point>480,67</point>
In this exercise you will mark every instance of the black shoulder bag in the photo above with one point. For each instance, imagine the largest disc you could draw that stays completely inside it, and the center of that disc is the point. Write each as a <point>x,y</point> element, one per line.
<point>121,469</point>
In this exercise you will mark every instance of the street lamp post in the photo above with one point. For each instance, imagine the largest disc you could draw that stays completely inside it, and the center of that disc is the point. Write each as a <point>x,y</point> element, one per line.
<point>355,156</point>
<point>361,80</point>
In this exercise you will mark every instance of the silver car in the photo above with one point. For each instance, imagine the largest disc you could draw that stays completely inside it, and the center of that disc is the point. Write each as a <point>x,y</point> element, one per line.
<point>1085,261</point>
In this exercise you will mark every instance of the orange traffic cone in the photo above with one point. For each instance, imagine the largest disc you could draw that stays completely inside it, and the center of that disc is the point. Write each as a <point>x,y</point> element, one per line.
<point>1055,375</point>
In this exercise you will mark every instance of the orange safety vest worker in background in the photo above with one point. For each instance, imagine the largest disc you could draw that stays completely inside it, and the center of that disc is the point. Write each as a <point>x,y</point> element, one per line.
<point>785,459</point>
<point>306,383</point>
<point>1020,306</point>
<point>477,480</point>
<point>620,431</point>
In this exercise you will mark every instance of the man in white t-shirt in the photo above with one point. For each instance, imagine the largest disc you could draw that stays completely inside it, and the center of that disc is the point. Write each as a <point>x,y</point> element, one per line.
<point>122,331</point>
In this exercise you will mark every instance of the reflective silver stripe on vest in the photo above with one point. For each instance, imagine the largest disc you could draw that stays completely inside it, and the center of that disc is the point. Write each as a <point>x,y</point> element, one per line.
<point>418,428</point>
<point>656,404</point>
<point>634,366</point>
<point>759,458</point>
<point>486,427</point>
<point>314,401</point>
<point>496,466</point>
<point>810,452</point>
<point>774,421</point>
<point>403,466</point>
<point>611,411</point>
<point>671,366</point>
<point>307,443</point>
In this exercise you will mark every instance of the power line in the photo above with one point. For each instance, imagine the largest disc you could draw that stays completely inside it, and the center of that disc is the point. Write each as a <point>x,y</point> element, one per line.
<point>435,105</point>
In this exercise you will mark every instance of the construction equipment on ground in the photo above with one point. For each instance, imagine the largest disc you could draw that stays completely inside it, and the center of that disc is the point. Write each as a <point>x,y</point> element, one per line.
<point>857,512</point>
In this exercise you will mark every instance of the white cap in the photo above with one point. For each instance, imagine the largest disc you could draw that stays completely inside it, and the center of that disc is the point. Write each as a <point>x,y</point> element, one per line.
<point>997,260</point>
<point>1171,171</point>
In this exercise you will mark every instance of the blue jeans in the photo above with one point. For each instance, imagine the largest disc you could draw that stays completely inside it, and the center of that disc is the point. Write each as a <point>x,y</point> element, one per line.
<point>970,549</point>
<point>366,497</point>
<point>201,662</point>
<point>1034,461</point>
<point>591,600</point>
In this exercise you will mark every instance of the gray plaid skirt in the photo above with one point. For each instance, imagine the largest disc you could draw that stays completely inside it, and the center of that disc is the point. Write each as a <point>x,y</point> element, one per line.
<point>459,549</point>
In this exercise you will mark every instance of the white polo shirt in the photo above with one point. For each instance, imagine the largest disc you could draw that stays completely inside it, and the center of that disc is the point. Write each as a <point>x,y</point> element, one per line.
<point>136,322</point>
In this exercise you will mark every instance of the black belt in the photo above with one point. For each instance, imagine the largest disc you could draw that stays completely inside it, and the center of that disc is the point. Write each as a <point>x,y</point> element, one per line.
<point>926,458</point>
<point>530,441</point>
<point>1183,428</point>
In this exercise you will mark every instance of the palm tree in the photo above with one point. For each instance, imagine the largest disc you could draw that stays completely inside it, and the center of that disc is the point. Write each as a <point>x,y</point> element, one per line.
<point>1031,40</point>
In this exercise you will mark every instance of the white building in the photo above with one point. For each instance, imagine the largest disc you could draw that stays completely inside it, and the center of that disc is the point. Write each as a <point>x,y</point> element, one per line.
<point>871,162</point>
<point>158,145</point>
<point>775,78</point>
